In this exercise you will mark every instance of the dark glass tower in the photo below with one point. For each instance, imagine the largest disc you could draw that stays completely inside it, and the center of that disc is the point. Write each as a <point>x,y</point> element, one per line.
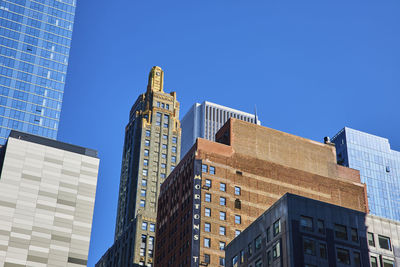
<point>35,39</point>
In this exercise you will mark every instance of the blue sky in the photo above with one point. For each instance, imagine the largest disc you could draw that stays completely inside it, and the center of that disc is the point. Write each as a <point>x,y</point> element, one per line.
<point>311,67</point>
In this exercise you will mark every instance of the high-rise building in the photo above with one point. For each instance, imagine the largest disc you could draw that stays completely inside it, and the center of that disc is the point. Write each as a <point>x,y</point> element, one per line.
<point>379,168</point>
<point>219,188</point>
<point>151,151</point>
<point>204,120</point>
<point>35,39</point>
<point>299,231</point>
<point>47,194</point>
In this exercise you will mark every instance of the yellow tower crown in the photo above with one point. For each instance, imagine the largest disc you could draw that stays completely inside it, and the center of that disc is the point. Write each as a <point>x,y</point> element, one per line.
<point>156,80</point>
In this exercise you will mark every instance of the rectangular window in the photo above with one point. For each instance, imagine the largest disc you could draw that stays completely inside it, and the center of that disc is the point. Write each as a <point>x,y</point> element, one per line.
<point>173,159</point>
<point>146,162</point>
<point>238,219</point>
<point>235,261</point>
<point>143,192</point>
<point>144,182</point>
<point>322,251</point>
<point>268,234</point>
<point>222,187</point>
<point>222,201</point>
<point>145,172</point>
<point>276,250</point>
<point>309,246</point>
<point>384,242</point>
<point>258,242</point>
<point>204,168</point>
<point>163,155</point>
<point>207,212</point>
<point>173,149</point>
<point>259,263</point>
<point>158,104</point>
<point>242,256</point>
<point>174,140</point>
<point>152,227</point>
<point>354,235</point>
<point>277,227</point>
<point>208,183</point>
<point>357,259</point>
<point>162,105</point>
<point>371,240</point>
<point>147,142</point>
<point>212,170</point>
<point>374,262</point>
<point>237,190</point>
<point>207,197</point>
<point>162,175</point>
<point>321,227</point>
<point>206,258</point>
<point>148,133</point>
<point>142,203</point>
<point>207,242</point>
<point>388,263</point>
<point>221,245</point>
<point>207,227</point>
<point>222,230</point>
<point>221,261</point>
<point>144,226</point>
<point>343,256</point>
<point>306,223</point>
<point>250,249</point>
<point>165,137</point>
<point>222,216</point>
<point>164,146</point>
<point>163,165</point>
<point>340,232</point>
<point>158,118</point>
<point>146,152</point>
<point>237,232</point>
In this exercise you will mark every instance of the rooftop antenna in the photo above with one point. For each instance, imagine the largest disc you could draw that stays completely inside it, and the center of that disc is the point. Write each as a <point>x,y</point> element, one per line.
<point>255,115</point>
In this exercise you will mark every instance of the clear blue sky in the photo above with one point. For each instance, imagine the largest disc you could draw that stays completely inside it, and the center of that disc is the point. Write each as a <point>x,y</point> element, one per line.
<point>311,67</point>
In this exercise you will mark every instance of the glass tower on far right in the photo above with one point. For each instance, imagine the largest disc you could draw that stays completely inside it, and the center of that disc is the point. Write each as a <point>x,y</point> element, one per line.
<point>379,168</point>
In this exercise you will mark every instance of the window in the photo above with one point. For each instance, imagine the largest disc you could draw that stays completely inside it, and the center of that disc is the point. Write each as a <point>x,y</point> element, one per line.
<point>269,258</point>
<point>173,159</point>
<point>207,227</point>
<point>343,256</point>
<point>374,262</point>
<point>222,230</point>
<point>384,242</point>
<point>144,226</point>
<point>158,119</point>
<point>322,251</point>
<point>250,249</point>
<point>235,261</point>
<point>259,263</point>
<point>212,170</point>
<point>148,133</point>
<point>309,246</point>
<point>152,227</point>
<point>222,201</point>
<point>371,240</point>
<point>208,183</point>
<point>238,219</point>
<point>221,261</point>
<point>241,256</point>
<point>163,165</point>
<point>237,190</point>
<point>172,168</point>
<point>165,137</point>
<point>340,232</point>
<point>277,227</point>
<point>163,155</point>
<point>164,146</point>
<point>306,223</point>
<point>207,242</point>
<point>206,258</point>
<point>258,242</point>
<point>321,227</point>
<point>354,235</point>
<point>222,216</point>
<point>276,251</point>
<point>146,152</point>
<point>144,182</point>
<point>146,162</point>
<point>158,104</point>
<point>143,192</point>
<point>204,168</point>
<point>145,172</point>
<point>207,197</point>
<point>357,259</point>
<point>237,232</point>
<point>222,187</point>
<point>268,235</point>
<point>147,142</point>
<point>174,140</point>
<point>173,149</point>
<point>238,204</point>
<point>207,212</point>
<point>162,105</point>
<point>162,175</point>
<point>142,203</point>
<point>165,125</point>
<point>221,245</point>
<point>388,263</point>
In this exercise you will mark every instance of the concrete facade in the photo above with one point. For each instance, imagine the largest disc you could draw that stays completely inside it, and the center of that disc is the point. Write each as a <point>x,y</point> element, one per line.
<point>246,171</point>
<point>205,119</point>
<point>47,195</point>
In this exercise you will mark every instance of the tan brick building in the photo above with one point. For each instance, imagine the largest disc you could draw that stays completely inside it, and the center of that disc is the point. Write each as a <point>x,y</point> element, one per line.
<point>219,188</point>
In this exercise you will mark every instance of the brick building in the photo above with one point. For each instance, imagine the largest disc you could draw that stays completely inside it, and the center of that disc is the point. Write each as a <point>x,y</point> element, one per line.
<point>220,188</point>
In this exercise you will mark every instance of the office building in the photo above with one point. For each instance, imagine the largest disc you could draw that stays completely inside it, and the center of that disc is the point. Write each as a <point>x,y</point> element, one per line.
<point>35,39</point>
<point>379,168</point>
<point>151,151</point>
<point>204,120</point>
<point>219,188</point>
<point>47,195</point>
<point>299,231</point>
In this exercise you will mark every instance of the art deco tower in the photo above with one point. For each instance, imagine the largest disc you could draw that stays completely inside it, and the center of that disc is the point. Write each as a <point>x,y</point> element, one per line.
<point>151,151</point>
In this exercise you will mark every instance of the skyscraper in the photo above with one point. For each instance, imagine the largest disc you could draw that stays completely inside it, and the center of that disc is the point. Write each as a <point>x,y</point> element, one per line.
<point>379,168</point>
<point>204,120</point>
<point>35,39</point>
<point>151,151</point>
<point>47,193</point>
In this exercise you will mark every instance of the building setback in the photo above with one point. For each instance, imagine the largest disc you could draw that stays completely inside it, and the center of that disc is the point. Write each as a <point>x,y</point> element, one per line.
<point>205,119</point>
<point>35,39</point>
<point>47,195</point>
<point>219,188</point>
<point>379,168</point>
<point>151,151</point>
<point>299,231</point>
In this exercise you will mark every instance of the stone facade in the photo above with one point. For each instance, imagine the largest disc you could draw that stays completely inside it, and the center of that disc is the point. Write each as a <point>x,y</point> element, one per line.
<point>47,195</point>
<point>247,170</point>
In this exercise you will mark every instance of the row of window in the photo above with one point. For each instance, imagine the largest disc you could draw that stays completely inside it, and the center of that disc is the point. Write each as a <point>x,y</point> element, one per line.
<point>163,146</point>
<point>204,168</point>
<point>162,105</point>
<point>150,226</point>
<point>222,186</point>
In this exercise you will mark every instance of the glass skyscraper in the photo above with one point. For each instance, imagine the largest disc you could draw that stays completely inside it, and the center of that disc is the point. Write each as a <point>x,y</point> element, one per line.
<point>35,39</point>
<point>379,168</point>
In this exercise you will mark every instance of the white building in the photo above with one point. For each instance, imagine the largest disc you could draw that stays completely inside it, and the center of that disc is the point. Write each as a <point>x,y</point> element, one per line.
<point>204,120</point>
